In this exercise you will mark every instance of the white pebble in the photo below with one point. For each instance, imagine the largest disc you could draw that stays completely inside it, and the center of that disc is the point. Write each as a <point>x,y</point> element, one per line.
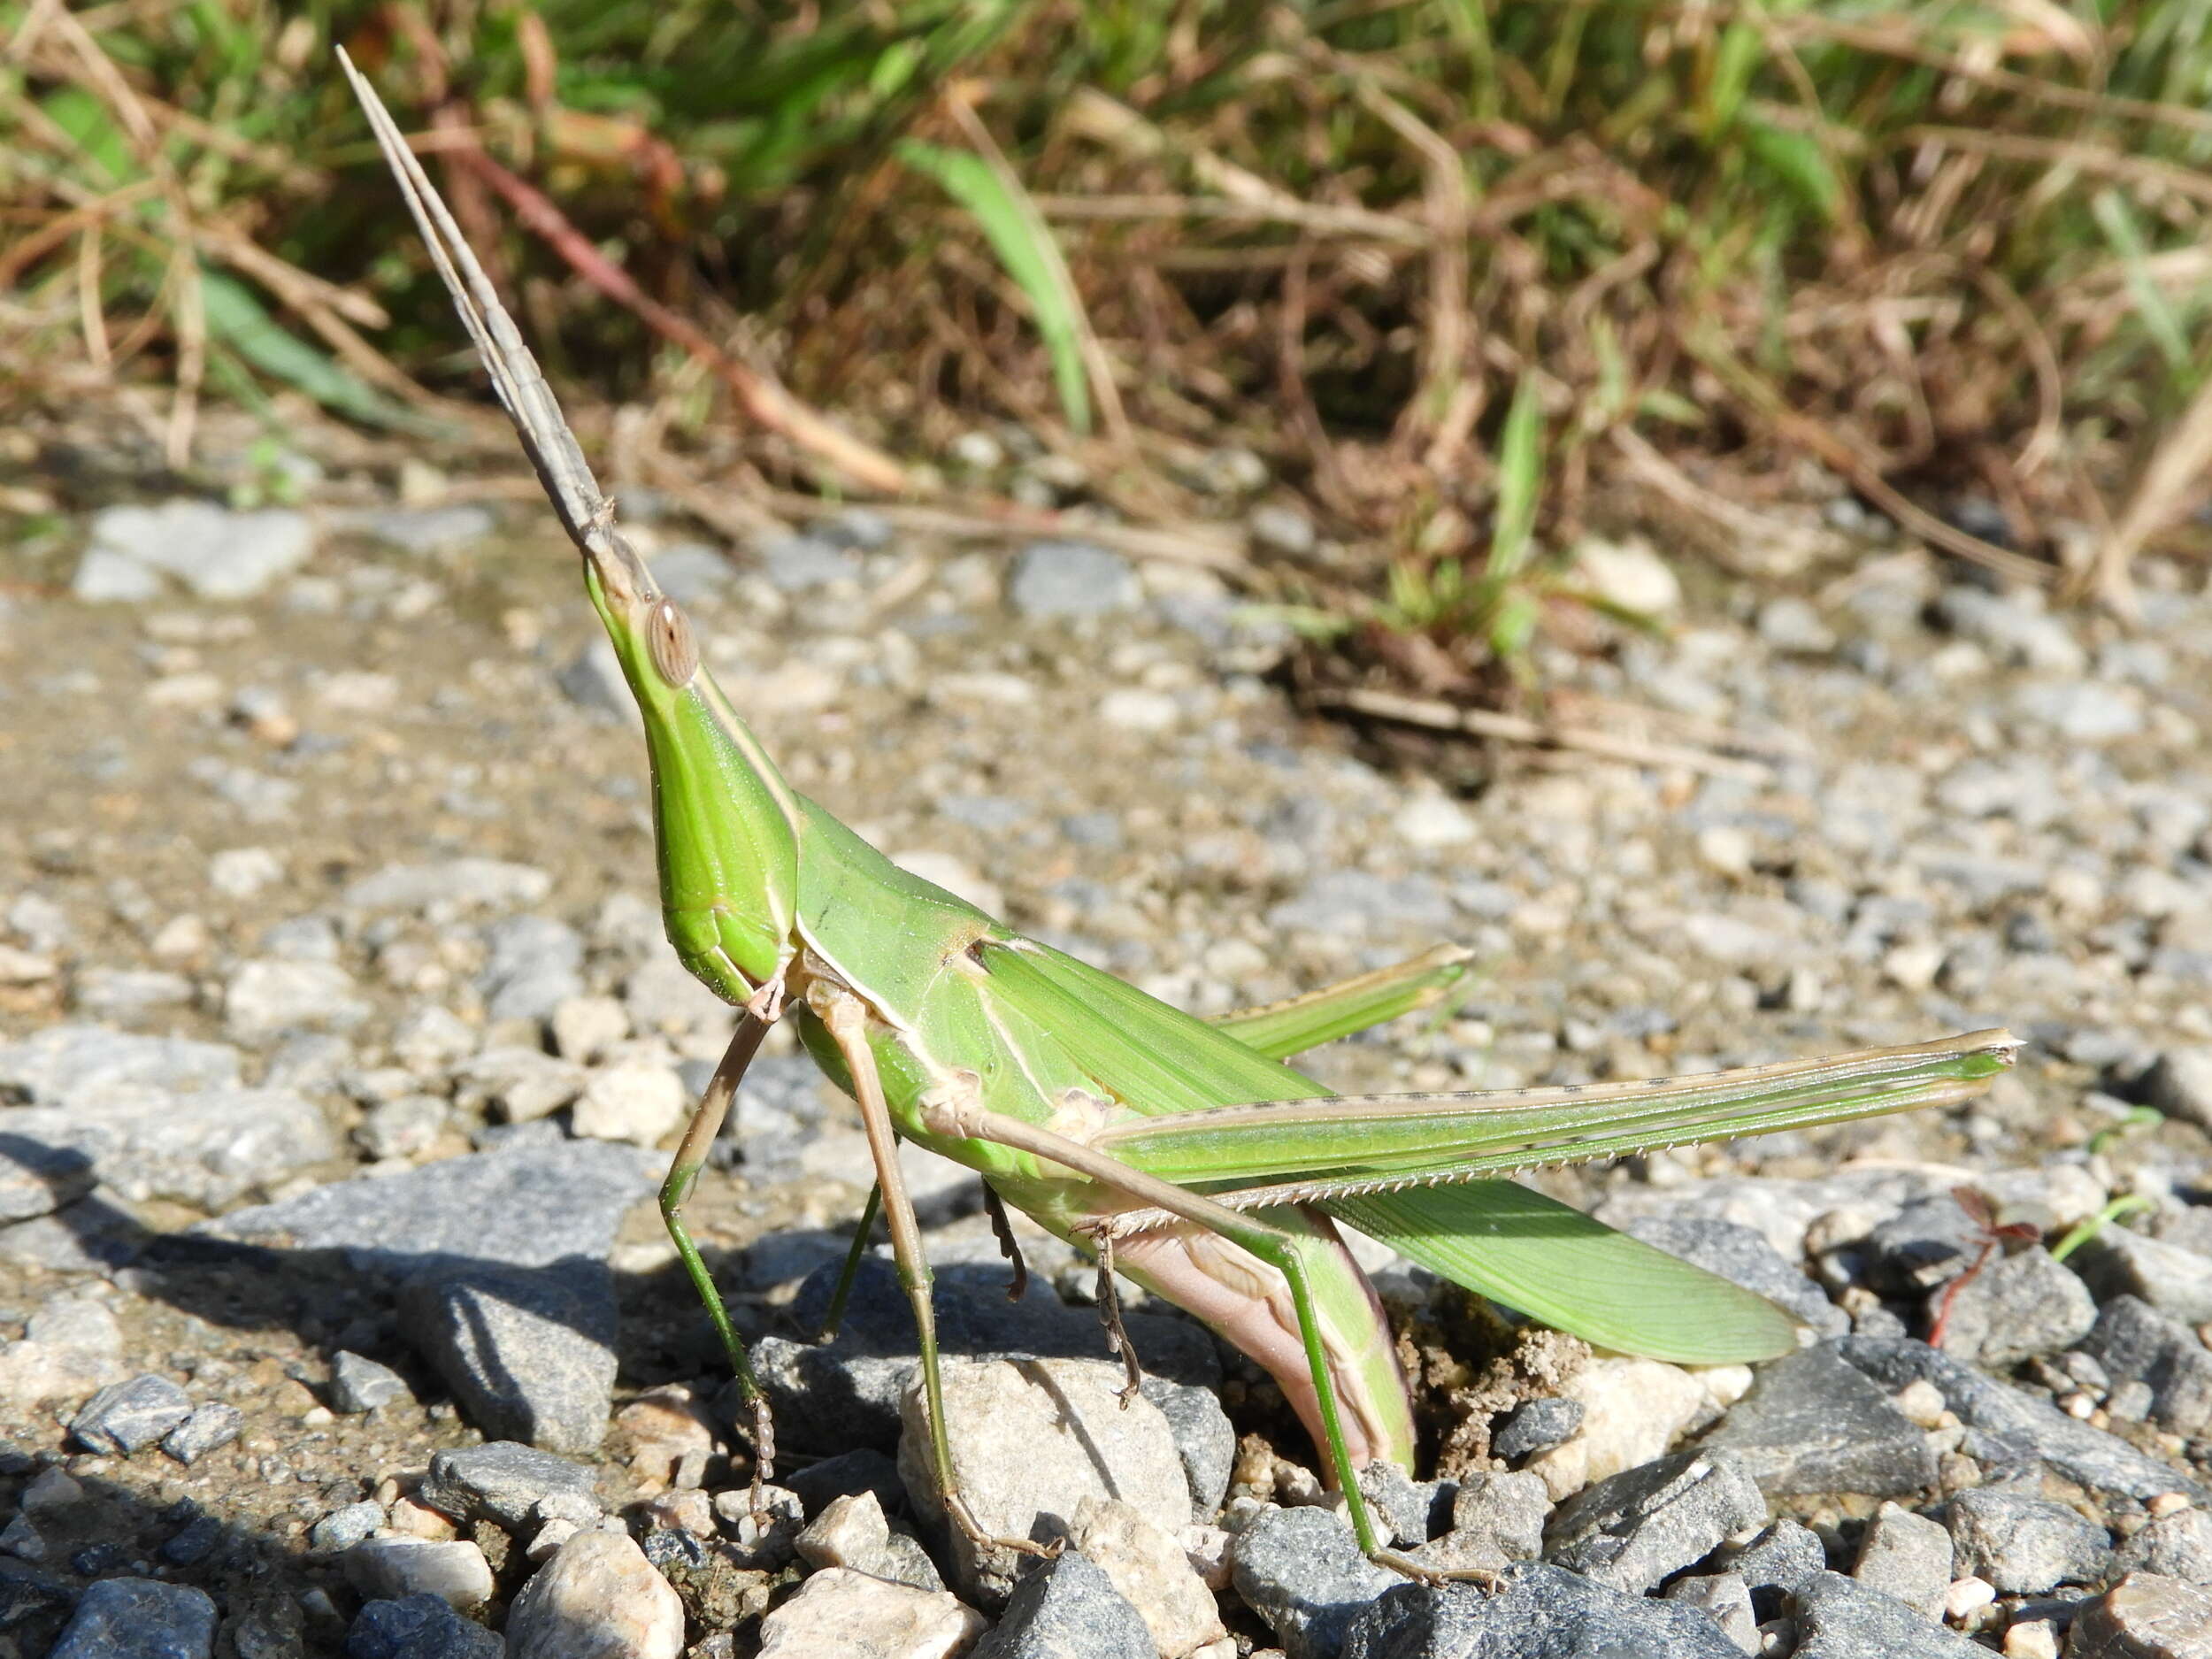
<point>1967,1596</point>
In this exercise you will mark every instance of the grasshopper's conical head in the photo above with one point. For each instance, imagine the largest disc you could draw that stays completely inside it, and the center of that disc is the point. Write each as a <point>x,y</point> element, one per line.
<point>726,824</point>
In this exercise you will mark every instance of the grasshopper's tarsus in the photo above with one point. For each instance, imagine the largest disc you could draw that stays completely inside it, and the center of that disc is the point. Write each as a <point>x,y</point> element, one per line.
<point>1110,1315</point>
<point>1009,1246</point>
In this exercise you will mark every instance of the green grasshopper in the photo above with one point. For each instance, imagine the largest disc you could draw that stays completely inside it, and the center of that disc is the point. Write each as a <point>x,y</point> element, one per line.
<point>1184,1154</point>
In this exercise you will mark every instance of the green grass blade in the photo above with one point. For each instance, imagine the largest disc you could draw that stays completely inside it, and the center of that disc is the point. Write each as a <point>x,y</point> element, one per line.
<point>1018,235</point>
<point>2166,331</point>
<point>236,319</point>
<point>1556,1264</point>
<point>1520,481</point>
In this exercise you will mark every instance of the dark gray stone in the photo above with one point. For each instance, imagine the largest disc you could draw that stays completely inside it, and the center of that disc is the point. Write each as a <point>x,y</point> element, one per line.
<point>1204,1438</point>
<point>2017,1307</point>
<point>501,1481</point>
<point>2134,1342</point>
<point>2176,1545</point>
<point>2089,1457</point>
<point>1537,1425</point>
<point>1743,1256</point>
<point>1928,1241</point>
<point>139,1618</point>
<point>1403,1509</point>
<point>1839,1618</point>
<point>2144,1616</point>
<point>1542,1612</point>
<point>2026,1546</point>
<point>1908,1556</point>
<point>359,1384</point>
<point>418,1627</point>
<point>209,1428</point>
<point>2176,1282</point>
<point>529,1353</point>
<point>824,1398</point>
<point>341,1529</point>
<point>532,966</point>
<point>1812,1425</point>
<point>1496,1519</point>
<point>1632,1529</point>
<point>1726,1598</point>
<point>1070,579</point>
<point>846,1475</point>
<point>208,1148</point>
<point>1301,1572</point>
<point>127,1416</point>
<point>1068,1609</point>
<point>527,1207</point>
<point>1781,1558</point>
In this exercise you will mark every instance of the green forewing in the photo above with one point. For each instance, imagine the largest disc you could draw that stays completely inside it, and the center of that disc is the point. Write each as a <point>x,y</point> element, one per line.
<point>1286,1028</point>
<point>1578,1275</point>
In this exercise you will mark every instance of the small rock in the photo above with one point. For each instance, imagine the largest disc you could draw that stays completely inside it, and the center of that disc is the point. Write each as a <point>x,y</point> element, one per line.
<point>1780,1557</point>
<point>2180,1084</point>
<point>70,1347</point>
<point>1543,1613</point>
<point>396,1568</point>
<point>598,1598</point>
<point>449,888</point>
<point>207,1148</point>
<point>847,1475</point>
<point>2143,1616</point>
<point>418,1627</point>
<point>851,1532</point>
<point>20,1539</point>
<point>2175,1545</point>
<point>1537,1425</point>
<point>1628,574</point>
<point>585,1027</point>
<point>341,1529</point>
<point>1908,1556</point>
<point>125,1417</point>
<point>529,1354</point>
<point>671,1437</point>
<point>139,1618</point>
<point>2024,1546</point>
<point>1301,1572</point>
<point>2136,1343</point>
<point>215,552</point>
<point>2178,1282</point>
<point>1632,1529</point>
<point>1789,624</point>
<point>268,997</point>
<point>1840,1618</point>
<point>359,1384</point>
<point>1497,1520</point>
<point>1812,1425</point>
<point>838,1614</point>
<point>1056,580</point>
<point>1433,820</point>
<point>1150,1569</point>
<point>503,1482</point>
<point>1069,1608</point>
<point>209,1428</point>
<point>2017,1307</point>
<point>1204,1438</point>
<point>1031,1438</point>
<point>637,1101</point>
<point>800,564</point>
<point>1726,1598</point>
<point>1633,1410</point>
<point>1278,527</point>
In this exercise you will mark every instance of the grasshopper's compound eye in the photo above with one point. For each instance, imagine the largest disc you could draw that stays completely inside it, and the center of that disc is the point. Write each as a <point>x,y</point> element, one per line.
<point>668,640</point>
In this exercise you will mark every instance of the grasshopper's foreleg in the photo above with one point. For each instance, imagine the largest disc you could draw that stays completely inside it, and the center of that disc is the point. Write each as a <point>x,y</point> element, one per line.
<point>846,1019</point>
<point>841,1293</point>
<point>683,1174</point>
<point>966,1119</point>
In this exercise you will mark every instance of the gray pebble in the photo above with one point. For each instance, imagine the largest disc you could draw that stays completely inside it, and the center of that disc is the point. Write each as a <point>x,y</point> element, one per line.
<point>215,552</point>
<point>532,966</point>
<point>2136,1344</point>
<point>2177,1282</point>
<point>341,1529</point>
<point>428,529</point>
<point>846,1475</point>
<point>359,1384</point>
<point>1908,1556</point>
<point>1632,1529</point>
<point>1543,1612</point>
<point>1204,1438</point>
<point>453,886</point>
<point>1301,1572</point>
<point>209,1428</point>
<point>2176,1546</point>
<point>269,996</point>
<point>1537,1425</point>
<point>139,1618</point>
<point>418,1627</point>
<point>501,1481</point>
<point>1839,1618</point>
<point>1812,1425</point>
<point>528,1352</point>
<point>1068,1609</point>
<point>1496,1519</point>
<point>1726,1598</point>
<point>2017,1307</point>
<point>1782,1556</point>
<point>83,1065</point>
<point>800,564</point>
<point>1056,580</point>
<point>127,1417</point>
<point>2026,1546</point>
<point>2180,1085</point>
<point>2144,1616</point>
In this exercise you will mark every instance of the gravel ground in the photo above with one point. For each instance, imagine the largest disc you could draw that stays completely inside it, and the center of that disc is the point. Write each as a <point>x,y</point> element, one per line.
<point>340,1051</point>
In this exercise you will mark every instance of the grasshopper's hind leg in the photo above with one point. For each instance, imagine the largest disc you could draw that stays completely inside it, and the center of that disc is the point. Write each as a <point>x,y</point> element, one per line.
<point>846,1019</point>
<point>683,1175</point>
<point>841,1292</point>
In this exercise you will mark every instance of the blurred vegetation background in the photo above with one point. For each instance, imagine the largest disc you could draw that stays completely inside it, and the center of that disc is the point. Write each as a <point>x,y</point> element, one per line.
<point>1469,278</point>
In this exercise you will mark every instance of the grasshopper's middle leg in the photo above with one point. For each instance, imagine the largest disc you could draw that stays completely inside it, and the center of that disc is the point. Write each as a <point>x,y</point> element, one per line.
<point>683,1174</point>
<point>845,1019</point>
